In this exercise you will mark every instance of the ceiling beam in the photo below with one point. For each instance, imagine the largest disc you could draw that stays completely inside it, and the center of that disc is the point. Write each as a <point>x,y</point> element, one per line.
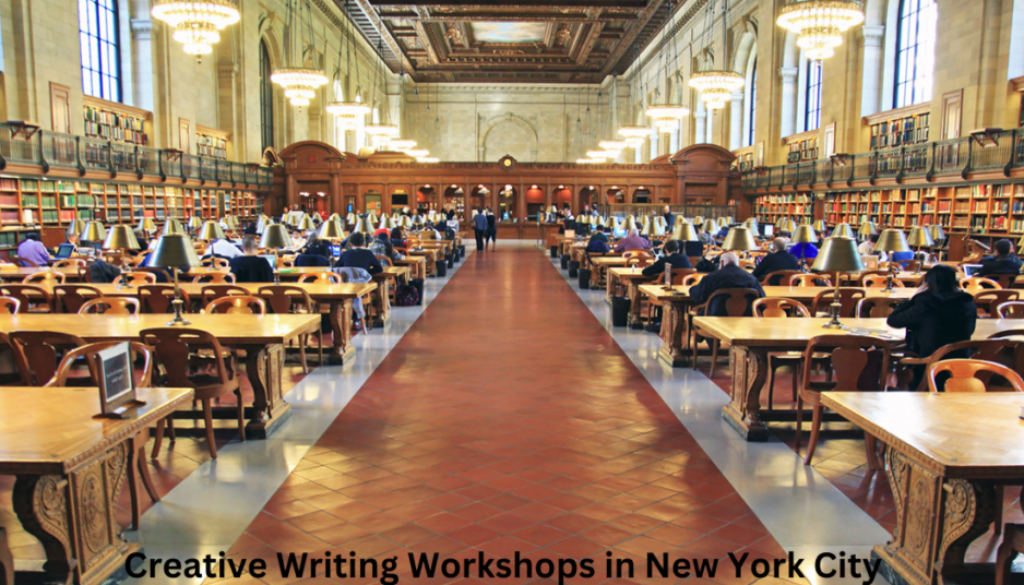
<point>587,46</point>
<point>519,3</point>
<point>631,35</point>
<point>422,14</point>
<point>384,33</point>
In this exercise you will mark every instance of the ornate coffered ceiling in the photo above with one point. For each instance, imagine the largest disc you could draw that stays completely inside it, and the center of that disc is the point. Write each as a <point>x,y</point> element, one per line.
<point>531,41</point>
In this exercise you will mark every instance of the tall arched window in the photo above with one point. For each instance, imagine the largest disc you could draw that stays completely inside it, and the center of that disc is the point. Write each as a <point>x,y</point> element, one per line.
<point>915,52</point>
<point>812,103</point>
<point>100,46</point>
<point>752,106</point>
<point>266,98</point>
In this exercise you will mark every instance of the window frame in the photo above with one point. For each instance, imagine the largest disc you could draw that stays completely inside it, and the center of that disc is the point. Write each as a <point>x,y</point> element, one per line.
<point>266,98</point>
<point>101,73</point>
<point>907,83</point>
<point>752,106</point>
<point>812,107</point>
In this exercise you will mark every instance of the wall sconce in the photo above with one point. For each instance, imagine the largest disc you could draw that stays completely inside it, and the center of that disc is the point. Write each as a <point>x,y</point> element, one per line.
<point>840,160</point>
<point>986,137</point>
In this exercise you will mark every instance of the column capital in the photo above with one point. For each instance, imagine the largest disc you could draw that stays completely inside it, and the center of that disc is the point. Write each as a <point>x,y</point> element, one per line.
<point>788,73</point>
<point>700,115</point>
<point>737,96</point>
<point>873,35</point>
<point>142,28</point>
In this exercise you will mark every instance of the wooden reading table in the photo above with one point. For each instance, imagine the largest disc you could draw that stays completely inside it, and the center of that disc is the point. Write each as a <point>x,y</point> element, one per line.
<point>946,454</point>
<point>629,279</point>
<point>70,468</point>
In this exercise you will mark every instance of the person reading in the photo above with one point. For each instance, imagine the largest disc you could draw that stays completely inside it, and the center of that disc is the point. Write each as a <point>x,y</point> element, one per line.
<point>777,259</point>
<point>248,267</point>
<point>729,275</point>
<point>633,241</point>
<point>359,257</point>
<point>673,256</point>
<point>1003,262</point>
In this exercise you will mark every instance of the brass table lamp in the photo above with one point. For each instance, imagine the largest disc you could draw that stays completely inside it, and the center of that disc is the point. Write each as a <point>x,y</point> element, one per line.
<point>922,238</point>
<point>76,227</point>
<point>175,251</point>
<point>891,240</point>
<point>844,230</point>
<point>331,230</point>
<point>838,254</point>
<point>195,223</point>
<point>866,230</point>
<point>172,226</point>
<point>147,225</point>
<point>739,239</point>
<point>121,237</point>
<point>276,237</point>
<point>820,226</point>
<point>710,226</point>
<point>804,234</point>
<point>305,224</point>
<point>211,231</point>
<point>94,232</point>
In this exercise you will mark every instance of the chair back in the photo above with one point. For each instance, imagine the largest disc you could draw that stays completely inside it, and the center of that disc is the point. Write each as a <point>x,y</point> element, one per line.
<point>384,260</point>
<point>848,297</point>
<point>325,277</point>
<point>692,279</point>
<point>1004,280</point>
<point>136,278</point>
<point>866,273</point>
<point>887,266</point>
<point>211,292</point>
<point>156,298</point>
<point>876,307</point>
<point>89,353</point>
<point>69,262</point>
<point>24,262</point>
<point>779,307</point>
<point>859,362</point>
<point>879,281</point>
<point>26,295</point>
<point>69,298</point>
<point>85,273</point>
<point>731,302</point>
<point>1010,310</point>
<point>909,265</point>
<point>976,284</point>
<point>238,304</point>
<point>110,306</point>
<point>972,375</point>
<point>47,278</point>
<point>988,300</point>
<point>9,305</point>
<point>215,263</point>
<point>803,279</point>
<point>639,258</point>
<point>283,299</point>
<point>779,277</point>
<point>215,278</point>
<point>35,353</point>
<point>173,347</point>
<point>678,276</point>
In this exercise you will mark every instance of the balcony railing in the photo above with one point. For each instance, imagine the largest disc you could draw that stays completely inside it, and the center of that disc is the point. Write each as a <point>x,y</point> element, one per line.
<point>958,156</point>
<point>66,151</point>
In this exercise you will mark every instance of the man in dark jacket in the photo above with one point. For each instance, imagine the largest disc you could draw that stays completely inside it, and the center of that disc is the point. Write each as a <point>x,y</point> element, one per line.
<point>1004,262</point>
<point>249,267</point>
<point>480,229</point>
<point>672,256</point>
<point>729,275</point>
<point>670,219</point>
<point>359,257</point>
<point>779,259</point>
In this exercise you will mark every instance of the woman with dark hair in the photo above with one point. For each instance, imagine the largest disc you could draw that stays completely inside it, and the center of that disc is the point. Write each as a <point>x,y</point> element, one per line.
<point>396,238</point>
<point>317,247</point>
<point>381,245</point>
<point>938,314</point>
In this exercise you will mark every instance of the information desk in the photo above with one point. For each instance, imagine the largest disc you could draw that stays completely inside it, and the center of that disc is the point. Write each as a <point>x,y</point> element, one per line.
<point>70,469</point>
<point>262,337</point>
<point>946,453</point>
<point>751,340</point>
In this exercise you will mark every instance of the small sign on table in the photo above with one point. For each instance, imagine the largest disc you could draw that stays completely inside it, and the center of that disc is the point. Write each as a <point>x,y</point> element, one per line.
<point>117,385</point>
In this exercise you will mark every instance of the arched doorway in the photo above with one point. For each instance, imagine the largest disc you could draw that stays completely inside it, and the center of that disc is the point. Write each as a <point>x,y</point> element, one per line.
<point>425,199</point>
<point>642,195</point>
<point>479,198</point>
<point>455,199</point>
<point>588,198</point>
<point>534,203</point>
<point>561,197</point>
<point>615,196</point>
<point>508,204</point>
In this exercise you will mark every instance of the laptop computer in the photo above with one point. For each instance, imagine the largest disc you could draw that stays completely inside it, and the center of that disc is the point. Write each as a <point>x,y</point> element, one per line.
<point>64,251</point>
<point>769,230</point>
<point>270,259</point>
<point>971,269</point>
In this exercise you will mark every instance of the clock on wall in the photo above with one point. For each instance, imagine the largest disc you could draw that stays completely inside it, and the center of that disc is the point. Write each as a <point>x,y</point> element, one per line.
<point>507,162</point>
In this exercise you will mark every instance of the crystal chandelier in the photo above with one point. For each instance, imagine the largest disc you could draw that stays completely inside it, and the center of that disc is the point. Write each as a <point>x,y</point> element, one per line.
<point>381,134</point>
<point>820,24</point>
<point>299,83</point>
<point>634,136</point>
<point>598,155</point>
<point>403,145</point>
<point>716,87</point>
<point>350,115</point>
<point>197,25</point>
<point>589,161</point>
<point>429,160</point>
<point>613,147</point>
<point>417,152</point>
<point>667,118</point>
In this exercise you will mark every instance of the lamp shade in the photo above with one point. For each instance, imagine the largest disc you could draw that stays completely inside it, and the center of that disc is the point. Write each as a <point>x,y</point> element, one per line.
<point>739,239</point>
<point>121,237</point>
<point>211,231</point>
<point>684,232</point>
<point>195,222</point>
<point>387,223</point>
<point>94,232</point>
<point>174,251</point>
<point>892,241</point>
<point>724,221</point>
<point>231,221</point>
<point>172,226</point>
<point>275,236</point>
<point>609,222</point>
<point>843,230</point>
<point>630,223</point>
<point>919,236</point>
<point>710,226</point>
<point>820,226</point>
<point>76,227</point>
<point>804,234</point>
<point>866,230</point>
<point>699,219</point>
<point>838,254</point>
<point>262,223</point>
<point>331,230</point>
<point>147,224</point>
<point>305,224</point>
<point>937,233</point>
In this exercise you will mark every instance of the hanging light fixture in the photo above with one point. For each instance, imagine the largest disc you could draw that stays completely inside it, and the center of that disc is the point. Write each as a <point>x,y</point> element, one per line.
<point>417,152</point>
<point>820,24</point>
<point>428,160</point>
<point>590,161</point>
<point>716,86</point>
<point>634,136</point>
<point>403,145</point>
<point>197,25</point>
<point>380,133</point>
<point>598,155</point>
<point>613,147</point>
<point>299,83</point>
<point>350,115</point>
<point>667,117</point>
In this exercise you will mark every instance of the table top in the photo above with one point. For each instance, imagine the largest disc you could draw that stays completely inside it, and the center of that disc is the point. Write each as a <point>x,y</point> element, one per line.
<point>296,270</point>
<point>316,290</point>
<point>20,272</point>
<point>957,435</point>
<point>230,329</point>
<point>780,332</point>
<point>632,272</point>
<point>800,293</point>
<point>51,430</point>
<point>608,260</point>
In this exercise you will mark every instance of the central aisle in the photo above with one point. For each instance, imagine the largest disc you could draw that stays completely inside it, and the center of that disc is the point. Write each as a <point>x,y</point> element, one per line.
<point>507,420</point>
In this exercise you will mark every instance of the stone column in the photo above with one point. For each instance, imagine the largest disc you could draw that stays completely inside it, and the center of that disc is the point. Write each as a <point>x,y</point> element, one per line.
<point>700,120</point>
<point>871,91</point>
<point>788,102</point>
<point>655,148</point>
<point>142,55</point>
<point>736,121</point>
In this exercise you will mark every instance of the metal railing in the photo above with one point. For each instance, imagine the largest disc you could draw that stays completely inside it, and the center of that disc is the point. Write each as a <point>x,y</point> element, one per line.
<point>685,210</point>
<point>957,156</point>
<point>54,149</point>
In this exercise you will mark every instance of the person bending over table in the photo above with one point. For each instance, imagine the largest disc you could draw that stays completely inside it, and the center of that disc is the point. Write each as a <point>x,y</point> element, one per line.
<point>777,259</point>
<point>359,257</point>
<point>938,314</point>
<point>222,249</point>
<point>729,275</point>
<point>32,249</point>
<point>249,267</point>
<point>1004,262</point>
<point>632,241</point>
<point>672,256</point>
<point>598,243</point>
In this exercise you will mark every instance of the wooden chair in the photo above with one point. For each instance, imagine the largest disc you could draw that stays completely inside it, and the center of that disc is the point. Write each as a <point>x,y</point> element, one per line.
<point>678,276</point>
<point>211,292</point>
<point>639,258</point>
<point>737,302</point>
<point>143,378</point>
<point>36,353</point>
<point>84,274</point>
<point>69,298</point>
<point>156,298</point>
<point>9,305</point>
<point>111,306</point>
<point>248,305</point>
<point>69,263</point>
<point>816,280</point>
<point>976,284</point>
<point>6,560</point>
<point>215,263</point>
<point>988,300</point>
<point>176,349</point>
<point>215,278</point>
<point>286,299</point>
<point>779,277</point>
<point>876,307</point>
<point>1012,544</point>
<point>1001,350</point>
<point>47,278</point>
<point>24,262</point>
<point>858,363</point>
<point>879,281</point>
<point>1004,280</point>
<point>848,297</point>
<point>866,273</point>
<point>136,278</point>
<point>324,277</point>
<point>909,265</point>
<point>972,375</point>
<point>887,266</point>
<point>748,265</point>
<point>384,261</point>
<point>32,299</point>
<point>780,307</point>
<point>1010,310</point>
<point>692,279</point>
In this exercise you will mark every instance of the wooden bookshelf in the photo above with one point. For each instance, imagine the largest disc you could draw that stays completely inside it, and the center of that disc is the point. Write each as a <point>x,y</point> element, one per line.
<point>902,127</point>
<point>212,142</point>
<point>796,206</point>
<point>802,148</point>
<point>116,122</point>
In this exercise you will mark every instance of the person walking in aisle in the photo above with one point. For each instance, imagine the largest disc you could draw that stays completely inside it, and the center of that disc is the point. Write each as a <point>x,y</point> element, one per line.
<point>480,228</point>
<point>492,231</point>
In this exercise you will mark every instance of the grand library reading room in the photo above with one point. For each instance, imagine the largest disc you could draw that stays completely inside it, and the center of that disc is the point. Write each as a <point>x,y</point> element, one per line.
<point>553,292</point>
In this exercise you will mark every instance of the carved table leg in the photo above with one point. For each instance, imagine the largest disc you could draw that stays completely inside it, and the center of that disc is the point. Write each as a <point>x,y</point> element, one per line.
<point>633,293</point>
<point>42,505</point>
<point>382,301</point>
<point>263,366</point>
<point>610,286</point>
<point>673,333</point>
<point>749,371</point>
<point>341,327</point>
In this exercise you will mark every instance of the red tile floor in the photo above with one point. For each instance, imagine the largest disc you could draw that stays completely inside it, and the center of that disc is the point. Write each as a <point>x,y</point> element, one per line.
<point>507,420</point>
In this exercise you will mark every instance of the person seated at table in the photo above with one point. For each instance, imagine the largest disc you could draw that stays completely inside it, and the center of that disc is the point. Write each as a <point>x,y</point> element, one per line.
<point>704,237</point>
<point>33,250</point>
<point>804,251</point>
<point>728,275</point>
<point>785,236</point>
<point>317,252</point>
<point>381,246</point>
<point>777,259</point>
<point>397,240</point>
<point>248,267</point>
<point>632,241</point>
<point>938,314</point>
<point>359,257</point>
<point>222,249</point>
<point>250,229</point>
<point>1003,262</point>
<point>673,256</point>
<point>722,233</point>
<point>105,273</point>
<point>598,243</point>
<point>315,245</point>
<point>867,248</point>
